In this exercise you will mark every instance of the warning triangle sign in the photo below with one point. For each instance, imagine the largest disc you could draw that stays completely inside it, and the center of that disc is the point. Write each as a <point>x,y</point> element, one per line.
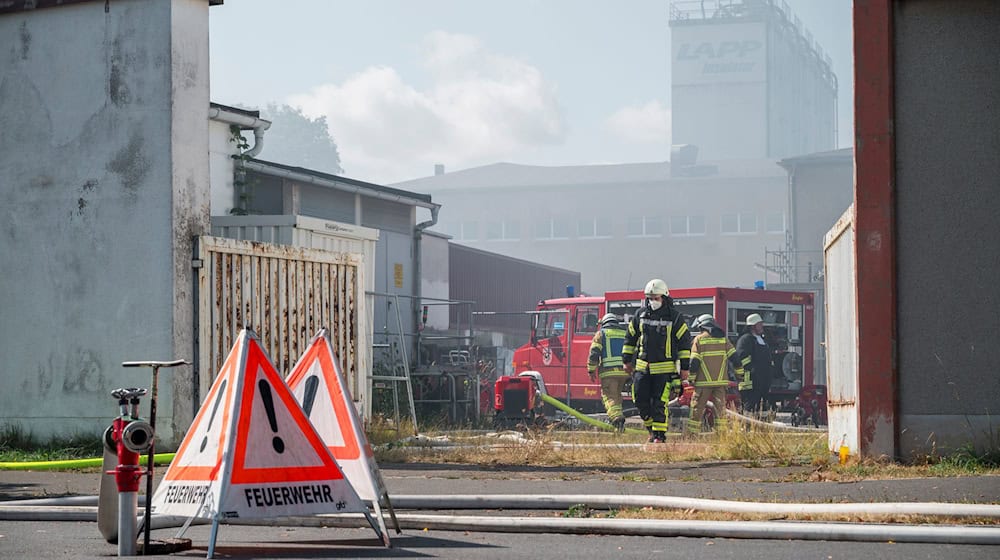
<point>318,383</point>
<point>252,453</point>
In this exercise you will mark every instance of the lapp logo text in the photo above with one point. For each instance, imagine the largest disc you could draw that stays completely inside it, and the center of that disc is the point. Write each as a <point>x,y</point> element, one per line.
<point>739,49</point>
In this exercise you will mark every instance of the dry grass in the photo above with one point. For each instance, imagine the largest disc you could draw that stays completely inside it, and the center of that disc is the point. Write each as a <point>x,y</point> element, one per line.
<point>758,445</point>
<point>550,447</point>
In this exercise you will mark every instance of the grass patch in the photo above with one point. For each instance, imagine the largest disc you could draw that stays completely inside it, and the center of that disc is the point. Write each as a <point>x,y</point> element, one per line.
<point>555,447</point>
<point>20,445</point>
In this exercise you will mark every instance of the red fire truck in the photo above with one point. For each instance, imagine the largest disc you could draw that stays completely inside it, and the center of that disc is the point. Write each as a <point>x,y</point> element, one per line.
<point>563,328</point>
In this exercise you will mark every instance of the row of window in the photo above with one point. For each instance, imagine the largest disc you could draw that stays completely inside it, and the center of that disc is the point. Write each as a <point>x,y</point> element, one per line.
<point>600,228</point>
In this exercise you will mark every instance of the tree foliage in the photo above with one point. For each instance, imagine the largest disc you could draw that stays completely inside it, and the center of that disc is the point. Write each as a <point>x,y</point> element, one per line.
<point>295,139</point>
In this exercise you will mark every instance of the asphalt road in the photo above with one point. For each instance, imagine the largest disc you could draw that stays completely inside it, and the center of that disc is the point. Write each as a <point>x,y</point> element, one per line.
<point>24,539</point>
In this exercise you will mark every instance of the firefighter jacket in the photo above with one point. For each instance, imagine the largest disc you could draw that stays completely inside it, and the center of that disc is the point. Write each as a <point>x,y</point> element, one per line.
<point>755,356</point>
<point>657,340</point>
<point>711,356</point>
<point>606,351</point>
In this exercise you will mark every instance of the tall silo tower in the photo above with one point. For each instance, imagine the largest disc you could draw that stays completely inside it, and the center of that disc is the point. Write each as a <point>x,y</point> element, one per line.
<point>749,81</point>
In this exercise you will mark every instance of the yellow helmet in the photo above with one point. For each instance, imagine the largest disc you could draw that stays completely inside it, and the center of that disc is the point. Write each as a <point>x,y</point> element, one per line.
<point>656,287</point>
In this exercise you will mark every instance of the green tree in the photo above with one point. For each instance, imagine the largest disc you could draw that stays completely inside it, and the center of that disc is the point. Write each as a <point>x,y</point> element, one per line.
<point>295,139</point>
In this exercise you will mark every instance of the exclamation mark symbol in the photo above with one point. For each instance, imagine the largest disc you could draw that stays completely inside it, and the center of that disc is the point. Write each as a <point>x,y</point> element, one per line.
<point>312,382</point>
<point>265,396</point>
<point>215,408</point>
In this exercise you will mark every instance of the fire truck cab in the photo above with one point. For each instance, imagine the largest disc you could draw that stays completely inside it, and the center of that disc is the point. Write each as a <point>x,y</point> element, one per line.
<point>563,328</point>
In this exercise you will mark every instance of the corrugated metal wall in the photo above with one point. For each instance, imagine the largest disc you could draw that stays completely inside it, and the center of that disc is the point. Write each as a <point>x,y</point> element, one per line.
<point>285,294</point>
<point>499,283</point>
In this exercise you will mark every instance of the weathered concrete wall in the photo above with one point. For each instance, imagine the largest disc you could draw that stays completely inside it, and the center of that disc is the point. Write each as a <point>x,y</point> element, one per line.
<point>947,173</point>
<point>104,177</point>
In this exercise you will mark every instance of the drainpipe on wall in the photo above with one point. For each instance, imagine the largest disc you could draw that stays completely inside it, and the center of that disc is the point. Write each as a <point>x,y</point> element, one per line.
<point>418,234</point>
<point>244,121</point>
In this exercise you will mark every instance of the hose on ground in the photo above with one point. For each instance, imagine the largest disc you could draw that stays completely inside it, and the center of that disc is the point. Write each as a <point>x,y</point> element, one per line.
<point>158,459</point>
<point>783,530</point>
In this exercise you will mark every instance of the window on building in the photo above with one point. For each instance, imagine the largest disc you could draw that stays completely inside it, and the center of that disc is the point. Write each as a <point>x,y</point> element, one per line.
<point>506,230</point>
<point>776,223</point>
<point>561,228</point>
<point>739,223</point>
<point>644,226</point>
<point>593,228</point>
<point>687,225</point>
<point>558,228</point>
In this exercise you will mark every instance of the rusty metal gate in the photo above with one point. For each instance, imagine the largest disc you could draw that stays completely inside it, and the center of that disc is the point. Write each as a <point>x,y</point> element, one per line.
<point>285,294</point>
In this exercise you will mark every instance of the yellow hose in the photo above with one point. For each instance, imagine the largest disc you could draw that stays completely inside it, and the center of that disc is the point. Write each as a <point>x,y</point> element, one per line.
<point>158,459</point>
<point>603,425</point>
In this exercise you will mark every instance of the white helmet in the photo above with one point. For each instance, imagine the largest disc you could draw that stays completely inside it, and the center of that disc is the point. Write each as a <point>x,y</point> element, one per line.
<point>705,321</point>
<point>656,287</point>
<point>753,319</point>
<point>609,318</point>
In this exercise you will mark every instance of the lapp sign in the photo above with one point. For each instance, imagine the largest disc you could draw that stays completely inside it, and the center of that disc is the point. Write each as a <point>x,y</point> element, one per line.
<point>716,51</point>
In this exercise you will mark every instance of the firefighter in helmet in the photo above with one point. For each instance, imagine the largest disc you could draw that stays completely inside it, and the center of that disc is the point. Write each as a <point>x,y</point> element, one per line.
<point>655,340</point>
<point>711,356</point>
<point>755,355</point>
<point>606,361</point>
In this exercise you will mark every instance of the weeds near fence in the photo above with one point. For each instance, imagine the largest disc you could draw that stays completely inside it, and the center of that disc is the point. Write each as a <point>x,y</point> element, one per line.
<point>19,445</point>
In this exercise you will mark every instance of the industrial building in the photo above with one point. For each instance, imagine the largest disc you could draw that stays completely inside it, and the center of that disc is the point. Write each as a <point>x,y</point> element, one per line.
<point>748,81</point>
<point>620,225</point>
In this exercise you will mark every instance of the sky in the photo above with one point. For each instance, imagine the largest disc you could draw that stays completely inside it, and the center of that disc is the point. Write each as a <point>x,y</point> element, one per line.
<point>407,84</point>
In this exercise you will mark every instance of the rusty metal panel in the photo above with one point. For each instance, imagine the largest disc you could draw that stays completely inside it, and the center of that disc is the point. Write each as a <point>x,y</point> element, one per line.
<point>285,294</point>
<point>874,223</point>
<point>841,333</point>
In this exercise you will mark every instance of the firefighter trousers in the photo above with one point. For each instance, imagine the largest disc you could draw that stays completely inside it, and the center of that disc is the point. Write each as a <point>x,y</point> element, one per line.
<point>647,393</point>
<point>699,402</point>
<point>611,395</point>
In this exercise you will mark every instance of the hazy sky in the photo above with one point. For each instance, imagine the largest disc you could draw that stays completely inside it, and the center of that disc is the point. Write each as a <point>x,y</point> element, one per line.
<point>405,84</point>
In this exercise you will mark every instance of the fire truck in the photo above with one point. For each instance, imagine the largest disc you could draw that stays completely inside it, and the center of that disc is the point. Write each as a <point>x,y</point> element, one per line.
<point>563,328</point>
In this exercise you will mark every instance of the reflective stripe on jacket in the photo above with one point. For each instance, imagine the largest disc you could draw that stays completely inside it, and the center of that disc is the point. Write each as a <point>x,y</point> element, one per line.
<point>657,340</point>
<point>710,358</point>
<point>606,352</point>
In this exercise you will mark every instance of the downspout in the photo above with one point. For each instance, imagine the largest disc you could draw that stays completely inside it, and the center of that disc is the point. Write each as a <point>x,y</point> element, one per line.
<point>244,122</point>
<point>418,234</point>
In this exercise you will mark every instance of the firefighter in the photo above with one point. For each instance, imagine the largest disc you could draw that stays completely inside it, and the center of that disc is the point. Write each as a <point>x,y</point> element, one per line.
<point>606,360</point>
<point>755,356</point>
<point>656,339</point>
<point>711,356</point>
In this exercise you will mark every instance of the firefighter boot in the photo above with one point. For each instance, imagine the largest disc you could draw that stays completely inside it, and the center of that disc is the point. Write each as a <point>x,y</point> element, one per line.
<point>659,437</point>
<point>619,424</point>
<point>652,436</point>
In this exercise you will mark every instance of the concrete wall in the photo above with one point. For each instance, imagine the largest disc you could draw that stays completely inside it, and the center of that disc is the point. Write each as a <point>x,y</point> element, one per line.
<point>104,177</point>
<point>820,194</point>
<point>947,170</point>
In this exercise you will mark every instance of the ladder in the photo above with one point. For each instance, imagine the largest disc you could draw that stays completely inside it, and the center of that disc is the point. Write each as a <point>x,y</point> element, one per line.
<point>393,350</point>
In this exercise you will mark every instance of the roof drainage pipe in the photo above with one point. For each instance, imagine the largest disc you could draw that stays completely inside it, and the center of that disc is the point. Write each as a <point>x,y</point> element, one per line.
<point>631,527</point>
<point>258,125</point>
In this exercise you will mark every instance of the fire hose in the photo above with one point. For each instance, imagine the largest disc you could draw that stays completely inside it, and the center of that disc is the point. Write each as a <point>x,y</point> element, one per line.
<point>863,532</point>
